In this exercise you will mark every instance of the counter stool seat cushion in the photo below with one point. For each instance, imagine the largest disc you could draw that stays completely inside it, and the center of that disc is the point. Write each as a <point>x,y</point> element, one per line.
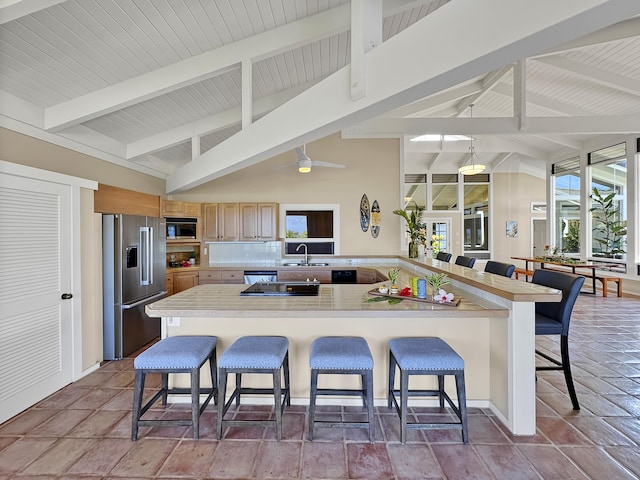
<point>344,356</point>
<point>181,354</point>
<point>336,353</point>
<point>425,353</point>
<point>426,356</point>
<point>255,352</point>
<point>176,352</point>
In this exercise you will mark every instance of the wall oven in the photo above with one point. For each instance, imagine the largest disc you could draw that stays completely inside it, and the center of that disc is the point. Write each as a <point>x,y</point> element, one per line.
<point>182,228</point>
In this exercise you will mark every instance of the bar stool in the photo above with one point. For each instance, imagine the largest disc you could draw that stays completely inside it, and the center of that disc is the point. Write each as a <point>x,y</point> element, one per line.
<point>254,354</point>
<point>181,354</point>
<point>345,356</point>
<point>426,356</point>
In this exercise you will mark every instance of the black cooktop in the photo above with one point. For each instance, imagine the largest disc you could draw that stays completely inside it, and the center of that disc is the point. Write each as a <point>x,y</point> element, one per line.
<point>282,288</point>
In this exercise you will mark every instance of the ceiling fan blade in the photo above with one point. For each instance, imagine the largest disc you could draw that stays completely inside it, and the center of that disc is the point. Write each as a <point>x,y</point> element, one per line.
<point>302,156</point>
<point>318,163</point>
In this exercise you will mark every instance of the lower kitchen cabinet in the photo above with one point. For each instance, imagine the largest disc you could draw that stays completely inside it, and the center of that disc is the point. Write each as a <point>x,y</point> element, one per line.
<point>367,275</point>
<point>169,285</point>
<point>182,281</point>
<point>218,275</point>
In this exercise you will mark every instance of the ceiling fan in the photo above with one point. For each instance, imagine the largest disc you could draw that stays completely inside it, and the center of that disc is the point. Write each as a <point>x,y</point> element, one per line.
<point>304,163</point>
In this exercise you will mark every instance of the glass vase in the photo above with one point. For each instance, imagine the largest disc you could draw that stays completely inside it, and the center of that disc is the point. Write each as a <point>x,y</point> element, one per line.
<point>413,250</point>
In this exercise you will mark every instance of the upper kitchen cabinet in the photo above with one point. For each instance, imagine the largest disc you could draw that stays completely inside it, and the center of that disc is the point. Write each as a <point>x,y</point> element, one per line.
<point>220,222</point>
<point>258,221</point>
<point>175,208</point>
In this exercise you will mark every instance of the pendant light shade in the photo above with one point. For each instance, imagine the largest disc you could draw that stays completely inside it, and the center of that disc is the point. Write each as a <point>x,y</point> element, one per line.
<point>475,166</point>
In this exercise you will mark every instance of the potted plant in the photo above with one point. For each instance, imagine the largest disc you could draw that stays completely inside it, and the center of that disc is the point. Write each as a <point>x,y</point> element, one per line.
<point>436,280</point>
<point>393,278</point>
<point>606,216</point>
<point>415,228</point>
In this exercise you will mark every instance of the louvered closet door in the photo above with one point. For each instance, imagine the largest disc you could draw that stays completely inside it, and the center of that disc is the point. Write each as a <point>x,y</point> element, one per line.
<point>35,266</point>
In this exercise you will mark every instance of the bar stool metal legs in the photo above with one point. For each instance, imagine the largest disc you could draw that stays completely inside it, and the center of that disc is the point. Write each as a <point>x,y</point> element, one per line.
<point>426,356</point>
<point>254,354</point>
<point>345,356</point>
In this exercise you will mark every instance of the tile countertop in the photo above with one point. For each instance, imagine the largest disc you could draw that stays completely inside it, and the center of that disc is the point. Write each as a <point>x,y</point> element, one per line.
<point>345,300</point>
<point>507,288</point>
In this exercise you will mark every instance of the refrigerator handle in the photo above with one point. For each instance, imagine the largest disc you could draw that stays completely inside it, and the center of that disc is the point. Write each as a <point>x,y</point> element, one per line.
<point>146,254</point>
<point>127,306</point>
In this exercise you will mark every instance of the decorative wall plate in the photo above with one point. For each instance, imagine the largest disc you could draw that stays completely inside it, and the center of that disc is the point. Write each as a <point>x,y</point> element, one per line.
<point>364,213</point>
<point>375,219</point>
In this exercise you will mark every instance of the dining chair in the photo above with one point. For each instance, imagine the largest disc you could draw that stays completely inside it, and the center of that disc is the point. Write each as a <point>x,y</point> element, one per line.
<point>499,268</point>
<point>552,318</point>
<point>465,261</point>
<point>444,256</point>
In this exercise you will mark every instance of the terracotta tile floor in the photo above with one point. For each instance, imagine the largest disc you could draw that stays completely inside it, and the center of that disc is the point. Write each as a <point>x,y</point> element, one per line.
<point>82,431</point>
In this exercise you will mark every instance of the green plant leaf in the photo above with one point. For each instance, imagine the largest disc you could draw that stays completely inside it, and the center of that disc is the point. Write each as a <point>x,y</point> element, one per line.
<point>375,299</point>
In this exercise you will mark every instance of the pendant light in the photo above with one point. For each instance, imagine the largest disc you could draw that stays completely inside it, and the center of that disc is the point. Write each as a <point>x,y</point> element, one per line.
<point>473,168</point>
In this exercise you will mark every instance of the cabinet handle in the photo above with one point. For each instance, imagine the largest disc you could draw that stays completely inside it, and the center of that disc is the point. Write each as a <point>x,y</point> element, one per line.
<point>66,296</point>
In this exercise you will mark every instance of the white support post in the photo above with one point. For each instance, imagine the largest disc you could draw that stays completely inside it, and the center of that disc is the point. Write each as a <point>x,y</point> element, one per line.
<point>247,93</point>
<point>520,93</point>
<point>195,147</point>
<point>366,33</point>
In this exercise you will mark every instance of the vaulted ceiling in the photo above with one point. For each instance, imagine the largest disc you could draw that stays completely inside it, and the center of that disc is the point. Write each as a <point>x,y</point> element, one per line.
<point>190,90</point>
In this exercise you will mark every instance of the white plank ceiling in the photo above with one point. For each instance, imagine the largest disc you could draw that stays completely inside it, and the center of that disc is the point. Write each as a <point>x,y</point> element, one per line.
<point>155,84</point>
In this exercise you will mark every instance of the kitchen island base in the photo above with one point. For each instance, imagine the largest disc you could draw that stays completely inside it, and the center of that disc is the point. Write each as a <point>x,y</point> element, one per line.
<point>492,329</point>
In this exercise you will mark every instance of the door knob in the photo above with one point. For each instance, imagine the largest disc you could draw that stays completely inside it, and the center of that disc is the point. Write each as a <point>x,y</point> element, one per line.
<point>66,296</point>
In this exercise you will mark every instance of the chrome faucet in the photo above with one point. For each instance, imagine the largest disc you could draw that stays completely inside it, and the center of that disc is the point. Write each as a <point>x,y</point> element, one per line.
<point>306,256</point>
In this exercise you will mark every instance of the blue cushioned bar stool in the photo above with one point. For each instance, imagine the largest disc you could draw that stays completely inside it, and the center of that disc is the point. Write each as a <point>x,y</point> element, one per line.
<point>254,354</point>
<point>426,356</point>
<point>182,354</point>
<point>341,355</point>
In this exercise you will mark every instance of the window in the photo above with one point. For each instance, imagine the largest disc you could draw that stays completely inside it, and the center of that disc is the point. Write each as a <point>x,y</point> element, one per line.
<point>415,190</point>
<point>317,226</point>
<point>476,215</point>
<point>608,168</point>
<point>566,181</point>
<point>444,191</point>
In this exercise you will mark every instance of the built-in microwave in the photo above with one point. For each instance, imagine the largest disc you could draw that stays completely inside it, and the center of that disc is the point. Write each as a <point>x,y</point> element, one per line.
<point>181,228</point>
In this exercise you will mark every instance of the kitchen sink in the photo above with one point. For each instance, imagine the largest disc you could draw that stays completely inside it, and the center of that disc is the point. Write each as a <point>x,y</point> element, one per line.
<point>321,264</point>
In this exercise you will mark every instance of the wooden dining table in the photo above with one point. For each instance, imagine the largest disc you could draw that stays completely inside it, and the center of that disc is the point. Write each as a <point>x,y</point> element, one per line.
<point>572,265</point>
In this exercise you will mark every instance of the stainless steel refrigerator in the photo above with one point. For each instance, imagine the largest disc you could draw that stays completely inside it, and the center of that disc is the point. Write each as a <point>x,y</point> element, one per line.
<point>134,274</point>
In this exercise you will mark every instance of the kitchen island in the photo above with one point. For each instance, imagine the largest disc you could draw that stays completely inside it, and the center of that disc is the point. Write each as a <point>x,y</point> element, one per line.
<point>492,328</point>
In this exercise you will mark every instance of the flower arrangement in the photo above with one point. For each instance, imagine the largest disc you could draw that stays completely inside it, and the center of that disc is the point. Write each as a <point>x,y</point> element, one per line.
<point>443,296</point>
<point>436,243</point>
<point>437,280</point>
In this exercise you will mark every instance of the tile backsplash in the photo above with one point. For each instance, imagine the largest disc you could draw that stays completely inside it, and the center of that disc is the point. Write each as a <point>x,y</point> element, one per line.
<point>256,253</point>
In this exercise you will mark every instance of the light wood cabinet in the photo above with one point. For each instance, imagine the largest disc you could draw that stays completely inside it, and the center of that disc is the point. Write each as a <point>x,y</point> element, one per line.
<point>184,280</point>
<point>169,285</point>
<point>176,208</point>
<point>258,221</point>
<point>232,276</point>
<point>219,275</point>
<point>367,275</point>
<point>302,275</point>
<point>220,222</point>
<point>210,276</point>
